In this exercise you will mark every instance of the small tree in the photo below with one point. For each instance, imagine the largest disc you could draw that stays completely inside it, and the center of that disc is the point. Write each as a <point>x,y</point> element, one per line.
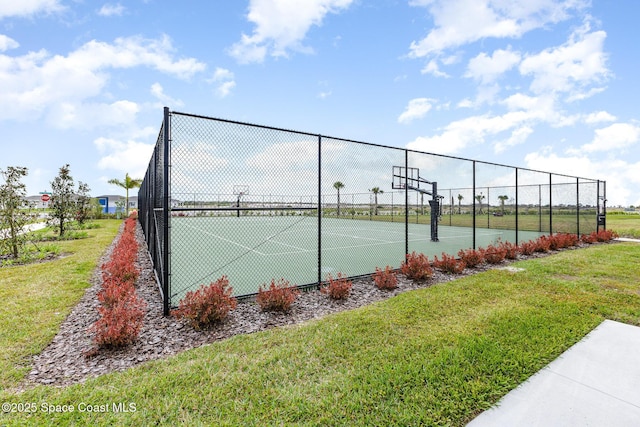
<point>376,191</point>
<point>83,203</point>
<point>338,185</point>
<point>480,198</point>
<point>62,199</point>
<point>13,217</point>
<point>460,197</point>
<point>502,200</point>
<point>128,184</point>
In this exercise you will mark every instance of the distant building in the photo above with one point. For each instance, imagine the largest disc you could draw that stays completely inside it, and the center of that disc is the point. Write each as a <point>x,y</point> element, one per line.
<point>113,200</point>
<point>36,202</point>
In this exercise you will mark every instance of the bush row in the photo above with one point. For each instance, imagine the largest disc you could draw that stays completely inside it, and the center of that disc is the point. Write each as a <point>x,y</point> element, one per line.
<point>212,303</point>
<point>121,310</point>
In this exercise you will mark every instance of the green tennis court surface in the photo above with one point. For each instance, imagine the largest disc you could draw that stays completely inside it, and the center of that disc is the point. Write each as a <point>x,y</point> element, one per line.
<point>252,250</point>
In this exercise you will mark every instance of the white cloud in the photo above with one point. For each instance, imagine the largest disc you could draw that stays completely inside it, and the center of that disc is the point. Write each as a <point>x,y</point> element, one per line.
<point>598,117</point>
<point>296,154</point>
<point>324,95</point>
<point>93,115</point>
<point>458,22</point>
<point>7,43</point>
<point>111,10</point>
<point>458,135</point>
<point>225,88</point>
<point>568,68</point>
<point>28,7</point>
<point>225,80</point>
<point>281,26</point>
<point>433,68</point>
<point>124,156</point>
<point>158,91</point>
<point>38,82</point>
<point>518,136</point>
<point>488,68</point>
<point>615,137</point>
<point>416,109</point>
<point>622,178</point>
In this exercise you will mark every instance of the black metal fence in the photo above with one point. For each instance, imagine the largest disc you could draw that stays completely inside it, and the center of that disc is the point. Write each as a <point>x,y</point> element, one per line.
<point>255,202</point>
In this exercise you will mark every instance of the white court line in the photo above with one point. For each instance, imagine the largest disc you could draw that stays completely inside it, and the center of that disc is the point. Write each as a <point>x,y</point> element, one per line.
<point>356,237</point>
<point>299,250</point>
<point>291,246</point>
<point>315,230</point>
<point>225,240</point>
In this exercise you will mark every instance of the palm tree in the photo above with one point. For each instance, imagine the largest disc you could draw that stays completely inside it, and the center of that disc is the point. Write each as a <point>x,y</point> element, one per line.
<point>376,191</point>
<point>460,197</point>
<point>127,184</point>
<point>502,200</point>
<point>480,198</point>
<point>338,185</point>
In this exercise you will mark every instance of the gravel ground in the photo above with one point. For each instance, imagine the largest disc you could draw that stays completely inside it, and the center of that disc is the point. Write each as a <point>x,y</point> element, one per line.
<point>72,357</point>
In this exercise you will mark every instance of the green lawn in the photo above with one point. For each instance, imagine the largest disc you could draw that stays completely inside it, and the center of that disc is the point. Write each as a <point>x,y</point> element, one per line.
<point>562,221</point>
<point>436,356</point>
<point>36,298</point>
<point>625,225</point>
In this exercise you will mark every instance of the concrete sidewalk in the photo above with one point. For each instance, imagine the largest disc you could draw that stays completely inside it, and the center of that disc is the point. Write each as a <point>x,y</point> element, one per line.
<point>4,233</point>
<point>594,383</point>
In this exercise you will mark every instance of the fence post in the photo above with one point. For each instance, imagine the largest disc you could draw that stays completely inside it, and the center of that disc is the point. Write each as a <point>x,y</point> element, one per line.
<point>165,211</point>
<point>319,209</point>
<point>406,203</point>
<point>473,196</point>
<point>550,204</point>
<point>517,225</point>
<point>578,206</point>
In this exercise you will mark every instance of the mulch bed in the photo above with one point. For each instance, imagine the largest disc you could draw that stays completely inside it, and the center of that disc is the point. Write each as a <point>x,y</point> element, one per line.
<point>72,356</point>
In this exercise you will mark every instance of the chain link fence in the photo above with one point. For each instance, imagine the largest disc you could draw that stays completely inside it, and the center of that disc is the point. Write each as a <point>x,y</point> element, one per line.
<point>256,203</point>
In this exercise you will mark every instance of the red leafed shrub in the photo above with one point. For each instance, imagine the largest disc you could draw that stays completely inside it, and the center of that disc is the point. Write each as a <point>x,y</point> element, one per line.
<point>449,264</point>
<point>120,271</point>
<point>121,323</point>
<point>510,250</point>
<point>606,235</point>
<point>568,240</point>
<point>385,279</point>
<point>416,267</point>
<point>589,238</point>
<point>121,310</point>
<point>494,254</point>
<point>527,248</point>
<point>471,257</point>
<point>113,291</point>
<point>278,297</point>
<point>338,288</point>
<point>543,244</point>
<point>562,240</point>
<point>207,305</point>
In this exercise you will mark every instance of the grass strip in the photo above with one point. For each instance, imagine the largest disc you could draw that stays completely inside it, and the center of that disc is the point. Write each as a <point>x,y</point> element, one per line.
<point>36,298</point>
<point>436,356</point>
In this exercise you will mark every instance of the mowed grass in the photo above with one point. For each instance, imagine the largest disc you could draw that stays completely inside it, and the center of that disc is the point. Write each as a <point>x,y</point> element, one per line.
<point>436,356</point>
<point>625,225</point>
<point>36,298</point>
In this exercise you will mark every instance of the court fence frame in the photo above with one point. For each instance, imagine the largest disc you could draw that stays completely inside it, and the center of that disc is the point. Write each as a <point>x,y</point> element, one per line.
<point>157,204</point>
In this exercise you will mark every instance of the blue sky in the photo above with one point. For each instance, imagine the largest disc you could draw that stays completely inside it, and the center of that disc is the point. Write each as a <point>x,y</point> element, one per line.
<point>544,84</point>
